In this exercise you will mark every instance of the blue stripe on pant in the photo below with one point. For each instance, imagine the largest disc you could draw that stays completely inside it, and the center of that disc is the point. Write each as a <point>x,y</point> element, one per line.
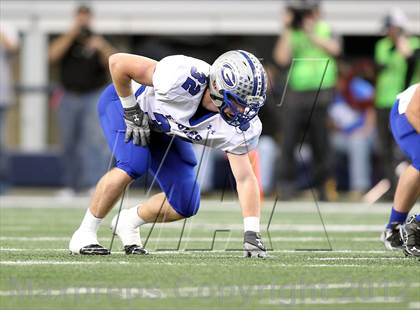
<point>405,135</point>
<point>176,175</point>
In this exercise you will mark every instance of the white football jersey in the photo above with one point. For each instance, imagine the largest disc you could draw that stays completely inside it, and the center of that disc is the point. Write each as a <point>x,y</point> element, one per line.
<point>174,107</point>
<point>405,98</point>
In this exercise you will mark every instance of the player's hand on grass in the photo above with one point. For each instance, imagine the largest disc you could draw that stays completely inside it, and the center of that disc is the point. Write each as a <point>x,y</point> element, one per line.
<point>253,245</point>
<point>137,126</point>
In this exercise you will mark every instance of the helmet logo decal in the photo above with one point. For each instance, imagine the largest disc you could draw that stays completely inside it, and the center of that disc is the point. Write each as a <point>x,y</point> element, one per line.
<point>228,75</point>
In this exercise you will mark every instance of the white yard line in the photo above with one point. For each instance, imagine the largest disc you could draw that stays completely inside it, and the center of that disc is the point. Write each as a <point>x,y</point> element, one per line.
<point>145,262</point>
<point>284,251</point>
<point>13,228</point>
<point>52,262</point>
<point>41,238</point>
<point>186,252</point>
<point>46,250</point>
<point>215,204</point>
<point>354,258</point>
<point>202,239</point>
<point>284,227</point>
<point>334,301</point>
<point>274,227</point>
<point>206,291</point>
<point>414,305</point>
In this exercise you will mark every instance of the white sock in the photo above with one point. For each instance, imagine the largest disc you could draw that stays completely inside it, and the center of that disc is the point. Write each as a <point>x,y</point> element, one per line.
<point>90,222</point>
<point>129,227</point>
<point>134,218</point>
<point>252,223</point>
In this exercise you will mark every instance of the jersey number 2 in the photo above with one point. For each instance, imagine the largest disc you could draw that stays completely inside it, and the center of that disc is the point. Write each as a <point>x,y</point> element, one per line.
<point>191,85</point>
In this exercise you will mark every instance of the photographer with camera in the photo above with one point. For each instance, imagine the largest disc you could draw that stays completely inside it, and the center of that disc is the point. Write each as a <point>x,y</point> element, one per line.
<point>83,59</point>
<point>307,48</point>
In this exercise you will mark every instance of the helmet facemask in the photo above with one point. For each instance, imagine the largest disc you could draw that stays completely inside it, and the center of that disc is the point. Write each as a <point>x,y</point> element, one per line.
<point>235,117</point>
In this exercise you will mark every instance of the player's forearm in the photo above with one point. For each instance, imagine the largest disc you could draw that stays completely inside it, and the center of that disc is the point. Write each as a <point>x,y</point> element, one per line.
<point>249,196</point>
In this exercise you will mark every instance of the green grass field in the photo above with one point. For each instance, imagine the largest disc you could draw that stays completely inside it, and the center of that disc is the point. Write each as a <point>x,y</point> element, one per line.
<point>37,271</point>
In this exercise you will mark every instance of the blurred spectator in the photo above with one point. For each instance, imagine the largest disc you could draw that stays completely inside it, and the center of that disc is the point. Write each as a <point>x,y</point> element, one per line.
<point>353,117</point>
<point>83,58</point>
<point>310,43</point>
<point>9,44</point>
<point>395,56</point>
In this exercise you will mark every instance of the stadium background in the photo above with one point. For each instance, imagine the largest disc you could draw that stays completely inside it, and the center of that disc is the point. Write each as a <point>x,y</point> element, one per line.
<point>201,29</point>
<point>322,255</point>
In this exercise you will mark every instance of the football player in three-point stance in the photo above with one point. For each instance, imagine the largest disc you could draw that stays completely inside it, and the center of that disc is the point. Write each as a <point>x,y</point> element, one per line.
<point>405,125</point>
<point>150,114</point>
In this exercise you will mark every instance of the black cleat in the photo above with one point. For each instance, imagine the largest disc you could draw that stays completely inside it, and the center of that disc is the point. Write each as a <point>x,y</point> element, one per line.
<point>94,249</point>
<point>253,245</point>
<point>135,250</point>
<point>410,234</point>
<point>391,237</point>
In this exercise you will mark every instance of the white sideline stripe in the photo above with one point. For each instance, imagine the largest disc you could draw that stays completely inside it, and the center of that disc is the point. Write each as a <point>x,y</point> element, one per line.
<point>354,258</point>
<point>182,251</point>
<point>49,202</point>
<point>283,251</point>
<point>33,250</point>
<point>228,208</point>
<point>273,227</point>
<point>334,301</point>
<point>414,305</point>
<point>39,201</point>
<point>289,227</point>
<point>146,262</point>
<point>51,262</point>
<point>200,239</point>
<point>16,228</point>
<point>201,291</point>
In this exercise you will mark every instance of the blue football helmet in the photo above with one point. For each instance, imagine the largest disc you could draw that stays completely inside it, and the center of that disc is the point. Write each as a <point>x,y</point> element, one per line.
<point>238,77</point>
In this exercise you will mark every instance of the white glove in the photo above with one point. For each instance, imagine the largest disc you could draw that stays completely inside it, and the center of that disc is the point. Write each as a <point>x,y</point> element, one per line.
<point>137,123</point>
